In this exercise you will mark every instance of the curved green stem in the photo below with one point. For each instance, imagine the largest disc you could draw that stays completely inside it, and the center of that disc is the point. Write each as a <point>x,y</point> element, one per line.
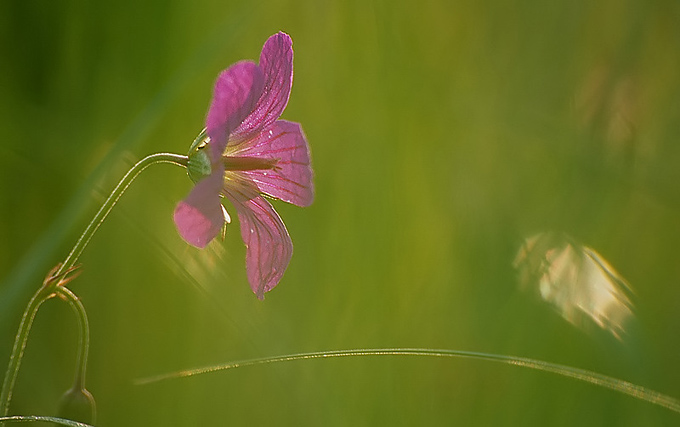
<point>110,202</point>
<point>36,418</point>
<point>53,283</point>
<point>621,386</point>
<point>43,294</point>
<point>83,337</point>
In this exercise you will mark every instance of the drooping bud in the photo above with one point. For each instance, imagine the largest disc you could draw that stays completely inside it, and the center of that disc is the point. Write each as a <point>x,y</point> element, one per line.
<point>77,404</point>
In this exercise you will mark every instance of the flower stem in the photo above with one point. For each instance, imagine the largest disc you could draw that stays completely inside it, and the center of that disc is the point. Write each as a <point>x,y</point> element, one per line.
<point>43,294</point>
<point>83,337</point>
<point>53,284</point>
<point>110,202</point>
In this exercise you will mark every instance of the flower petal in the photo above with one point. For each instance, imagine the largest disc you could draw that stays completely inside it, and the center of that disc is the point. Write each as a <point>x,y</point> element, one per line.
<point>268,245</point>
<point>276,61</point>
<point>199,218</point>
<point>236,92</point>
<point>291,179</point>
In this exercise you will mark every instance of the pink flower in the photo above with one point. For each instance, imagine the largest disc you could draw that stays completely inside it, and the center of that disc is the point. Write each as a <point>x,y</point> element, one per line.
<point>247,153</point>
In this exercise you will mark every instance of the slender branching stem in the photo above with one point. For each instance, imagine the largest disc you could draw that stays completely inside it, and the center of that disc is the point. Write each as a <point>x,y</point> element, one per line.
<point>55,281</point>
<point>110,202</point>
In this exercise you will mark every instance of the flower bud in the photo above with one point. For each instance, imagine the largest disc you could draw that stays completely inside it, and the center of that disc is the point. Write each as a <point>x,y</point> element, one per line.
<point>77,404</point>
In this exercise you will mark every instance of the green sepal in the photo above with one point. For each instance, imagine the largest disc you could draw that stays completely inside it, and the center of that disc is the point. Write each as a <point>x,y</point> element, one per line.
<point>199,161</point>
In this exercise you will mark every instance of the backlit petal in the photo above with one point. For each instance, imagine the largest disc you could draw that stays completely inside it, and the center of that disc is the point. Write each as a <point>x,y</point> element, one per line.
<point>268,245</point>
<point>291,179</point>
<point>199,218</point>
<point>276,61</point>
<point>236,93</point>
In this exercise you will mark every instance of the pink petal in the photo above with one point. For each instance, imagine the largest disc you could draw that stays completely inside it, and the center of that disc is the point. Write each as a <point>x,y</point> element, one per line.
<point>236,92</point>
<point>276,61</point>
<point>268,245</point>
<point>291,180</point>
<point>199,218</point>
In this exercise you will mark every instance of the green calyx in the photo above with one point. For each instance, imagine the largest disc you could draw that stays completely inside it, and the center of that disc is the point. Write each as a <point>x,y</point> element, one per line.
<point>199,160</point>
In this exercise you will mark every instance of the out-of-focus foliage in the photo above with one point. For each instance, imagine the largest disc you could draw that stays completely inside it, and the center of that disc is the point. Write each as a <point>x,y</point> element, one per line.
<point>576,281</point>
<point>443,134</point>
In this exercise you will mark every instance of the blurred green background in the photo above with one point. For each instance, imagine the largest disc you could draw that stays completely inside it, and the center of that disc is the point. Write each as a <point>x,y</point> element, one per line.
<point>442,134</point>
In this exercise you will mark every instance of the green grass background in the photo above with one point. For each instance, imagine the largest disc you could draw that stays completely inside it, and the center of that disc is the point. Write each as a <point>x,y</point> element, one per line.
<point>442,134</point>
